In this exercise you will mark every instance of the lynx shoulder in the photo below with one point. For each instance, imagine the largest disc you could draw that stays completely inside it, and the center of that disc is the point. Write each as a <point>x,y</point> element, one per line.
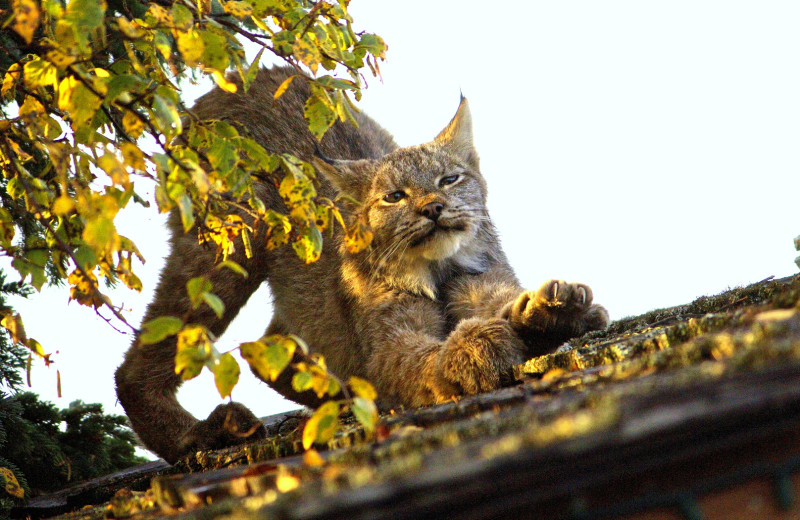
<point>430,311</point>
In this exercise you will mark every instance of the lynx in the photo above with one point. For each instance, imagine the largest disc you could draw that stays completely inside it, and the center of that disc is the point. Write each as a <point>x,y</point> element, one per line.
<point>430,311</point>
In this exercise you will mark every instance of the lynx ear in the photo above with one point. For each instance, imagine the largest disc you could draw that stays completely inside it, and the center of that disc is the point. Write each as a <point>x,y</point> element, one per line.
<point>457,136</point>
<point>351,178</point>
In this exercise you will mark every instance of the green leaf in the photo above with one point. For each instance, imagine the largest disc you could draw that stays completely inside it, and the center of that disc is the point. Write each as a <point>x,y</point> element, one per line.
<point>252,71</point>
<point>226,374</point>
<point>166,117</point>
<point>366,412</point>
<point>159,329</point>
<point>162,44</point>
<point>32,263</point>
<point>186,211</point>
<point>320,116</point>
<point>123,83</point>
<point>85,15</point>
<point>196,288</point>
<point>301,381</point>
<point>322,424</point>
<point>181,17</point>
<point>222,155</point>
<point>85,257</point>
<point>215,52</point>
<point>373,44</point>
<point>233,266</point>
<point>213,301</point>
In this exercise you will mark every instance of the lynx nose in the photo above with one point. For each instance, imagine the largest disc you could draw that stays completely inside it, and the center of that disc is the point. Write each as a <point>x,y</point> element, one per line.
<point>432,210</point>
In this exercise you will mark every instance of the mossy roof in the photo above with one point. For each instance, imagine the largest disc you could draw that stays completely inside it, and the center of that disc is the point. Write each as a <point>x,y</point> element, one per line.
<point>658,412</point>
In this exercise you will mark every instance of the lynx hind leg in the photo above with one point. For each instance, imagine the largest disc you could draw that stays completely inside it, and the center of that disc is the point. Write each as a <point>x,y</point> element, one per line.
<point>477,357</point>
<point>228,425</point>
<point>553,314</point>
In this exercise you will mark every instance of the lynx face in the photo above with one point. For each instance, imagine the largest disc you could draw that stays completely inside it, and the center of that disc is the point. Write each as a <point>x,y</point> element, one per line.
<point>424,204</point>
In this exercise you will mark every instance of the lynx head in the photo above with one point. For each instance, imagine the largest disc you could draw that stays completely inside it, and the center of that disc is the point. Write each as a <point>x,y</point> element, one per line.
<point>425,204</point>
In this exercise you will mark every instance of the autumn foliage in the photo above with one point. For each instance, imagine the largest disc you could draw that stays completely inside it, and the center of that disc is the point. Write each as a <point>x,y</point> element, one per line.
<point>92,113</point>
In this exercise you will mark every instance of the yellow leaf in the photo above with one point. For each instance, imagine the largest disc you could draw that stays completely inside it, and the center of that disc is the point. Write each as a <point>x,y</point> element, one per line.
<point>322,424</point>
<point>191,47</point>
<point>161,15</point>
<point>270,356</point>
<point>31,107</point>
<point>362,388</point>
<point>84,289</point>
<point>129,29</point>
<point>11,77</point>
<point>13,323</point>
<point>194,349</point>
<point>62,206</point>
<point>358,237</point>
<point>307,51</point>
<point>7,229</point>
<point>238,9</point>
<point>308,245</point>
<point>283,86</point>
<point>286,482</point>
<point>133,156</point>
<point>278,229</point>
<point>101,234</point>
<point>312,458</point>
<point>323,217</point>
<point>81,103</point>
<point>115,169</point>
<point>26,18</point>
<point>12,486</point>
<point>222,82</point>
<point>40,73</point>
<point>59,58</point>
<point>132,124</point>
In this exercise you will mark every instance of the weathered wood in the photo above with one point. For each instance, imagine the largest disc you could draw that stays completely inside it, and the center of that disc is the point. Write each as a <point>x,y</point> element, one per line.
<point>664,412</point>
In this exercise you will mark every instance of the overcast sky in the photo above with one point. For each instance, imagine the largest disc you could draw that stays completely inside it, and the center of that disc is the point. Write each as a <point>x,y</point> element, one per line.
<point>648,149</point>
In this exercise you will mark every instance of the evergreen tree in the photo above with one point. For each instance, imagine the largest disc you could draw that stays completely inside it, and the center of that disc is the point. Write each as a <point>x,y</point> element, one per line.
<point>44,447</point>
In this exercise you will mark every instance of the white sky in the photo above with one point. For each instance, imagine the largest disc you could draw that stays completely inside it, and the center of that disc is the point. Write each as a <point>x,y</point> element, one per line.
<point>649,149</point>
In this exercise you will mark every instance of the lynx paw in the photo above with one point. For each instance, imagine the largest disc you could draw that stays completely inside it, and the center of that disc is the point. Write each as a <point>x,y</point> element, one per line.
<point>228,425</point>
<point>477,357</point>
<point>553,314</point>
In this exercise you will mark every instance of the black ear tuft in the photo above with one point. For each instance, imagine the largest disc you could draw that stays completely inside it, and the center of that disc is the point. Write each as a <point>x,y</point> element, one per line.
<point>457,135</point>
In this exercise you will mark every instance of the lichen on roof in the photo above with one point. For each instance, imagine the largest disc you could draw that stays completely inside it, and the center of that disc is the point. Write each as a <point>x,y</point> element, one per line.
<point>607,387</point>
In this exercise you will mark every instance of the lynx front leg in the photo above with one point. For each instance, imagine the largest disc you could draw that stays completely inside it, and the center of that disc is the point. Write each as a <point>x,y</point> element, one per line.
<point>555,313</point>
<point>413,367</point>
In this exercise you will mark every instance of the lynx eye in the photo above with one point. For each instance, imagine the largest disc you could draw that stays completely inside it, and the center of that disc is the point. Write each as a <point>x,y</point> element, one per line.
<point>450,179</point>
<point>395,196</point>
